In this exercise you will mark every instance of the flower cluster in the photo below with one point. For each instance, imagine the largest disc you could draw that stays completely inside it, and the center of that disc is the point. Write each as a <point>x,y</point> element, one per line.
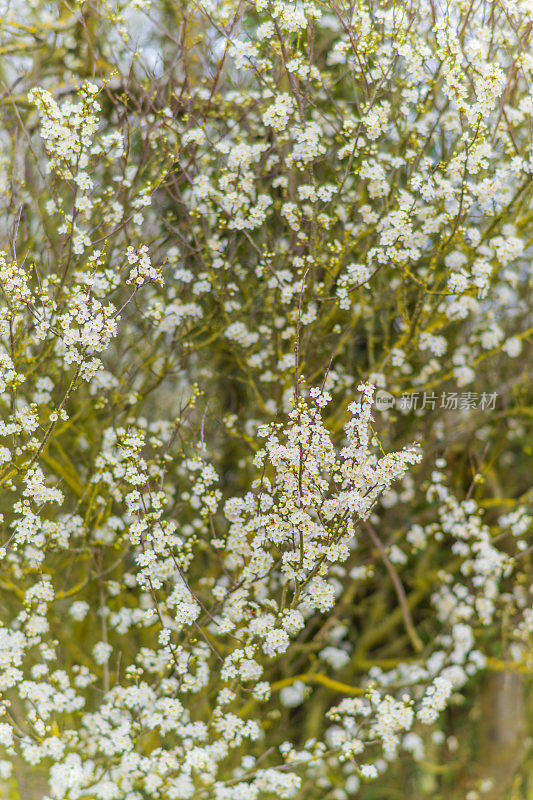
<point>225,571</point>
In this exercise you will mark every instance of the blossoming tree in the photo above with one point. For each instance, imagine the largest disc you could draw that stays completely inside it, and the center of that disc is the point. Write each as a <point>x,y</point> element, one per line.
<point>265,383</point>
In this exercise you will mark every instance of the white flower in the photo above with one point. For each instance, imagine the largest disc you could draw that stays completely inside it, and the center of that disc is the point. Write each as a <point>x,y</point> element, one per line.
<point>101,652</point>
<point>78,610</point>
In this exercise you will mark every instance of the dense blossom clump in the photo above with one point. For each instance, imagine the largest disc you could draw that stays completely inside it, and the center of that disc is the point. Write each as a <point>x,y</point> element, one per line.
<point>265,443</point>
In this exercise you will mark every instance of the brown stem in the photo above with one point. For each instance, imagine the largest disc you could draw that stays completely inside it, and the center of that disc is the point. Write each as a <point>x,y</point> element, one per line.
<point>400,591</point>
